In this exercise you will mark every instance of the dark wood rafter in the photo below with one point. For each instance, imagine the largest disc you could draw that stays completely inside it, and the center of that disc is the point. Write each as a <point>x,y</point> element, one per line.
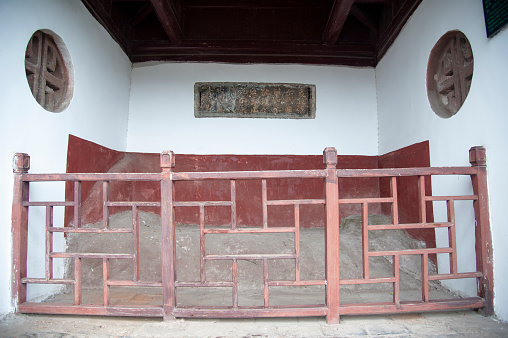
<point>393,30</point>
<point>354,55</point>
<point>366,19</point>
<point>142,14</point>
<point>167,17</point>
<point>374,1</point>
<point>336,21</point>
<point>325,32</point>
<point>271,4</point>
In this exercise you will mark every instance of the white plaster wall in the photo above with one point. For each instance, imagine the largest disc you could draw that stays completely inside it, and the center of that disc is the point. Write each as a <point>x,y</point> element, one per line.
<point>161,112</point>
<point>405,116</point>
<point>98,110</point>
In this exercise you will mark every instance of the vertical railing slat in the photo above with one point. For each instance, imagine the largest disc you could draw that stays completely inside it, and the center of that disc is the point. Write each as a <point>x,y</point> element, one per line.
<point>77,204</point>
<point>265,206</point>
<point>365,240</point>
<point>105,207</point>
<point>421,199</point>
<point>452,242</point>
<point>425,277</point>
<point>49,242</point>
<point>396,284</point>
<point>395,203</point>
<point>77,281</point>
<point>266,292</point>
<point>233,204</point>
<point>135,242</point>
<point>105,279</point>
<point>297,242</point>
<point>234,278</point>
<point>202,244</point>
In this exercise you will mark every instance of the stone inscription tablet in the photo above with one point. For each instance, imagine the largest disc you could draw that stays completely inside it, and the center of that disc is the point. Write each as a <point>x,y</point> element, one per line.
<point>255,100</point>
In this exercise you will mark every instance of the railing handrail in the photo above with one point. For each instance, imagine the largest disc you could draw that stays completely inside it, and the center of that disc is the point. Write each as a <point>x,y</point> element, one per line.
<point>90,177</point>
<point>261,174</point>
<point>417,171</point>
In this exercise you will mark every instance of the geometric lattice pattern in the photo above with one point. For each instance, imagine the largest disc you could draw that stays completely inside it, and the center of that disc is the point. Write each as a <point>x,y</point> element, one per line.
<point>332,203</point>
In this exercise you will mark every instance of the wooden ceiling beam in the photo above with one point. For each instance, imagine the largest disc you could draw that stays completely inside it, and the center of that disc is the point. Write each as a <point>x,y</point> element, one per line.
<point>318,54</point>
<point>252,48</point>
<point>366,19</point>
<point>374,1</point>
<point>167,17</point>
<point>336,60</point>
<point>336,20</point>
<point>142,14</point>
<point>272,4</point>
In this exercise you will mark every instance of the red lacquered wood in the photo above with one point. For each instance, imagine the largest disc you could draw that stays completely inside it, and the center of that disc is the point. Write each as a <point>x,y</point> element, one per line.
<point>96,310</point>
<point>405,307</point>
<point>168,235</point>
<point>330,174</point>
<point>484,256</point>
<point>21,165</point>
<point>332,236</point>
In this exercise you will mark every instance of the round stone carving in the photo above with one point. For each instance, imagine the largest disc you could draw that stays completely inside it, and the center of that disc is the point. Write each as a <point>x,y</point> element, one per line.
<point>47,71</point>
<point>449,73</point>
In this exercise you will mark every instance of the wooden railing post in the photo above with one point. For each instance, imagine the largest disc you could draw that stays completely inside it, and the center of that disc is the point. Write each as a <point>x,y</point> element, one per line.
<point>167,234</point>
<point>332,235</point>
<point>483,244</point>
<point>20,166</point>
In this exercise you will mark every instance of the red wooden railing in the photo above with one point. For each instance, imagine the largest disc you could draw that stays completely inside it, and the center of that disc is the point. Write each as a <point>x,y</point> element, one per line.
<point>332,202</point>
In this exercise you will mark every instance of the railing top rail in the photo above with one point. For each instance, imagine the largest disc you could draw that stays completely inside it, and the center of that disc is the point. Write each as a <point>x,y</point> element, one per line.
<point>390,172</point>
<point>91,177</point>
<point>263,174</point>
<point>190,176</point>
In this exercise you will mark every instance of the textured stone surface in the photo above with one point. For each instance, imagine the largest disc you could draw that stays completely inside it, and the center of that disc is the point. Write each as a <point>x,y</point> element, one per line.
<point>250,272</point>
<point>246,99</point>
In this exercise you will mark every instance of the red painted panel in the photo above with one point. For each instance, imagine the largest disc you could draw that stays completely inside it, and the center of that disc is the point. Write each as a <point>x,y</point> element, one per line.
<point>416,155</point>
<point>249,210</point>
<point>85,156</point>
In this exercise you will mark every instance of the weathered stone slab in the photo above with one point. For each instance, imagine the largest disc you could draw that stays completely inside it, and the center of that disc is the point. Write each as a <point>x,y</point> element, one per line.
<point>255,100</point>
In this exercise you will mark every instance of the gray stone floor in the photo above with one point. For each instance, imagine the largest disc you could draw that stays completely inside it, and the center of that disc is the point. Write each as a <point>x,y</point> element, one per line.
<point>445,324</point>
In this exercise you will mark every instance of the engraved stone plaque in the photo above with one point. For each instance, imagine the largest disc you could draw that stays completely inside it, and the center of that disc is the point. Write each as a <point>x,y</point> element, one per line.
<point>255,100</point>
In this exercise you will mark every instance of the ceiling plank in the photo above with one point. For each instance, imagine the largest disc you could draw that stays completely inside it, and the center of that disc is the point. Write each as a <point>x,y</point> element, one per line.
<point>338,15</point>
<point>167,17</point>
